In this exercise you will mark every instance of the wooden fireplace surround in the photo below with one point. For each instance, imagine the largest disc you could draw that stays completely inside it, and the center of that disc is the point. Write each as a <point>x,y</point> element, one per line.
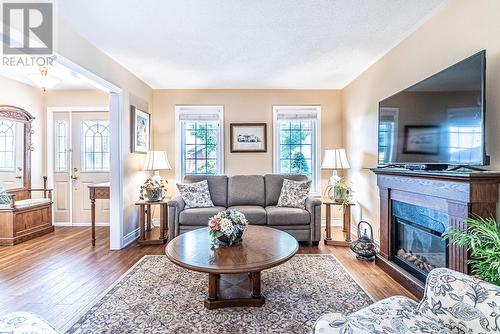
<point>459,194</point>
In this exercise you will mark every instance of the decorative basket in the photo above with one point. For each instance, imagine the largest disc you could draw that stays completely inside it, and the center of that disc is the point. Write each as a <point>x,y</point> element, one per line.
<point>365,247</point>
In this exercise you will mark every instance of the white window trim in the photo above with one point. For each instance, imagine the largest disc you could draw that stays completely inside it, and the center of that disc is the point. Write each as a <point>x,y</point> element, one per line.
<point>179,138</point>
<point>316,147</point>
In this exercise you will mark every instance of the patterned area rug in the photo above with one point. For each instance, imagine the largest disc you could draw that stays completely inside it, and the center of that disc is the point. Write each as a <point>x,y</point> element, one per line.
<point>156,296</point>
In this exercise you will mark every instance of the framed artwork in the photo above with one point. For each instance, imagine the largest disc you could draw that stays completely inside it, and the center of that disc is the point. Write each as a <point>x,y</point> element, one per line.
<point>141,130</point>
<point>248,137</point>
<point>421,139</point>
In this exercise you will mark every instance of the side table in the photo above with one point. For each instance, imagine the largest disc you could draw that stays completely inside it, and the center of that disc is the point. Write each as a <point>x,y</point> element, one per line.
<point>346,226</point>
<point>145,222</point>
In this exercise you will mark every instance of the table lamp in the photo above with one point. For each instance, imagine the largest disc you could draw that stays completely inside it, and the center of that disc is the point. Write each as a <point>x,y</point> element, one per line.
<point>154,186</point>
<point>334,159</point>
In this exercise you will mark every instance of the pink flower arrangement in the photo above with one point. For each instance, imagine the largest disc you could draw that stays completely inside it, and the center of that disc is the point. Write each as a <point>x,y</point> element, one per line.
<point>227,227</point>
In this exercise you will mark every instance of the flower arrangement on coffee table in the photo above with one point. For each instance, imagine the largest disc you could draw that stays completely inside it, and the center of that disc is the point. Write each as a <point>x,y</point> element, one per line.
<point>226,228</point>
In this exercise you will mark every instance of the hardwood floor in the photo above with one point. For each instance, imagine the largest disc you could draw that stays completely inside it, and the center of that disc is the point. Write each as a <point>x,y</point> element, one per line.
<point>58,275</point>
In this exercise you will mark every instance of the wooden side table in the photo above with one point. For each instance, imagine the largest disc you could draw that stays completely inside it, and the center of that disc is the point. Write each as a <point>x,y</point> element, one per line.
<point>145,222</point>
<point>96,191</point>
<point>346,225</point>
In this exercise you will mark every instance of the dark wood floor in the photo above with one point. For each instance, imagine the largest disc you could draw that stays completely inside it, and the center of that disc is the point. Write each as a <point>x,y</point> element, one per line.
<point>59,274</point>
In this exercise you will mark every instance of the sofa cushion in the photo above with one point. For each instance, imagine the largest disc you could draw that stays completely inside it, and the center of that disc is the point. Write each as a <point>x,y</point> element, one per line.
<point>198,216</point>
<point>246,190</point>
<point>287,216</point>
<point>274,183</point>
<point>294,194</point>
<point>217,185</point>
<point>26,203</point>
<point>256,215</point>
<point>196,195</point>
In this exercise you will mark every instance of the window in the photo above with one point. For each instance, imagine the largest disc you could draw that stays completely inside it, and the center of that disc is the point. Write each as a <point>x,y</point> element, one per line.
<point>7,145</point>
<point>61,146</point>
<point>96,146</point>
<point>387,137</point>
<point>296,141</point>
<point>201,149</point>
<point>465,135</point>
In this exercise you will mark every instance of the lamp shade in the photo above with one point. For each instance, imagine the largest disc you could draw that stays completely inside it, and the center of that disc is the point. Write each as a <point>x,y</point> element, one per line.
<point>156,160</point>
<point>335,159</point>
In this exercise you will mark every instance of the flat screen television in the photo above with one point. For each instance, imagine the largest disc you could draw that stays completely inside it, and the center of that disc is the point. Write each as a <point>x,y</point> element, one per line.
<point>439,120</point>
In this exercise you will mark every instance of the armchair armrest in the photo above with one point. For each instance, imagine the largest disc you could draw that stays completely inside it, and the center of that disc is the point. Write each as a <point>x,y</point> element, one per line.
<point>311,202</point>
<point>177,203</point>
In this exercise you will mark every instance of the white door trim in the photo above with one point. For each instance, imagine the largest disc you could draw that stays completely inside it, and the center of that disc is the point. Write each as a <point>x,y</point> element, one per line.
<point>116,114</point>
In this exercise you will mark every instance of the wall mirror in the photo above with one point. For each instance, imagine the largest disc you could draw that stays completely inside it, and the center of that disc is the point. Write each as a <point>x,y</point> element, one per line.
<point>15,150</point>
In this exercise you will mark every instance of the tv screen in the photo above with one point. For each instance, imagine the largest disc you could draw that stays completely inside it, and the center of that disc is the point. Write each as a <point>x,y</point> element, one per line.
<point>439,120</point>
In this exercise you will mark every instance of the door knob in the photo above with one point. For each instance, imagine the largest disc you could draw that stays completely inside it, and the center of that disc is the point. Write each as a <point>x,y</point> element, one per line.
<point>74,177</point>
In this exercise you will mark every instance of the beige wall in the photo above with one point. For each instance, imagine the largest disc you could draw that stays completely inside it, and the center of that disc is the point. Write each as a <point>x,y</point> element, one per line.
<point>461,29</point>
<point>134,91</point>
<point>244,106</point>
<point>30,99</point>
<point>76,98</point>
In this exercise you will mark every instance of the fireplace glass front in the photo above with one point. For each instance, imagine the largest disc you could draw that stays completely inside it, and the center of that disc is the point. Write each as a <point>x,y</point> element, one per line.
<point>416,238</point>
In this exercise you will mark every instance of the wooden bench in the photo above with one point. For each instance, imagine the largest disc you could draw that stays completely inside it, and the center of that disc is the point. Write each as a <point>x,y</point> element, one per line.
<point>25,219</point>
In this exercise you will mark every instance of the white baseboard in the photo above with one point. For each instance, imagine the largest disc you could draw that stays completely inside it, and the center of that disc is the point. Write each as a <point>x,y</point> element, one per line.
<point>68,224</point>
<point>130,237</point>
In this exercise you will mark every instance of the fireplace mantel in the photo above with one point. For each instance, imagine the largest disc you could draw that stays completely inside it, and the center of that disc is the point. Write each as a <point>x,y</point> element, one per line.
<point>459,194</point>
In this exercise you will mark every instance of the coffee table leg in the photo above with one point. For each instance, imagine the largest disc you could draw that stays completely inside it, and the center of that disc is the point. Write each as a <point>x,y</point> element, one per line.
<point>213,286</point>
<point>255,278</point>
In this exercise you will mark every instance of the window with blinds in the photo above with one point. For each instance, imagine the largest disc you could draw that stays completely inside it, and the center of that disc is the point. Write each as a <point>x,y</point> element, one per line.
<point>201,140</point>
<point>296,141</point>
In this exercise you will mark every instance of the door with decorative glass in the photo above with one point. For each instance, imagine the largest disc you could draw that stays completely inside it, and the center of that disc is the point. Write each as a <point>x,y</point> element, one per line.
<point>81,157</point>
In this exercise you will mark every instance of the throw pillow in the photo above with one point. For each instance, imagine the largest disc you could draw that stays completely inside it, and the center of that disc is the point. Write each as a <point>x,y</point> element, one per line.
<point>196,195</point>
<point>294,193</point>
<point>4,199</point>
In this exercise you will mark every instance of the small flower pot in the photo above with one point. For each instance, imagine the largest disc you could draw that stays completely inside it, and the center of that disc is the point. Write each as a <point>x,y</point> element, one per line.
<point>154,195</point>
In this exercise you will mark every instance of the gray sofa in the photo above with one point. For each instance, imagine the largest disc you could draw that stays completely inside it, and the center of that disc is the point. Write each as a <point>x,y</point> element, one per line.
<point>256,197</point>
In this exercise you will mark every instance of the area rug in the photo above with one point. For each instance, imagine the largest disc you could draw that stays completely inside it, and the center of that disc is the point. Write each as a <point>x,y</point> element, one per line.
<point>156,296</point>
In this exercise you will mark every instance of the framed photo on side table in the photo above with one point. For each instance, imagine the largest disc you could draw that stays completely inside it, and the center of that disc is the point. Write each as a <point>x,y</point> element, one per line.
<point>141,130</point>
<point>248,137</point>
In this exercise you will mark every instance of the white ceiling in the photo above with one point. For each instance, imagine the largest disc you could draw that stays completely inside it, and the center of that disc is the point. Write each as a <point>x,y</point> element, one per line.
<point>246,44</point>
<point>68,79</point>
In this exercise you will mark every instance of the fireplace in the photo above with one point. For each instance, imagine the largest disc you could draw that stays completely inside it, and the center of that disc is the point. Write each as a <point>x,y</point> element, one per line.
<point>416,238</point>
<point>416,207</point>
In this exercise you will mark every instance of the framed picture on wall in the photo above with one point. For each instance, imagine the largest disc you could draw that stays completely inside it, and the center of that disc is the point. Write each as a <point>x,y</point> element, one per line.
<point>140,132</point>
<point>248,137</point>
<point>421,139</point>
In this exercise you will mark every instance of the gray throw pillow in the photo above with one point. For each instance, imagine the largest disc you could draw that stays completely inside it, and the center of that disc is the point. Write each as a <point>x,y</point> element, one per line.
<point>294,193</point>
<point>196,195</point>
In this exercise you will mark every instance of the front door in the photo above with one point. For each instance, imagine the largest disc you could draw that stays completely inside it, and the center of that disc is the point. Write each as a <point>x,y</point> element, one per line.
<point>81,157</point>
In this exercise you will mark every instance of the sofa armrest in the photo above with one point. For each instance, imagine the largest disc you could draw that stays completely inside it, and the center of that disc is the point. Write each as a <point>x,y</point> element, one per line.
<point>175,206</point>
<point>459,301</point>
<point>312,202</point>
<point>177,203</point>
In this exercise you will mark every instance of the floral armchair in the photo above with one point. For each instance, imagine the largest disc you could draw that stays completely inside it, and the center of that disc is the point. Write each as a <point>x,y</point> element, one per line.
<point>452,303</point>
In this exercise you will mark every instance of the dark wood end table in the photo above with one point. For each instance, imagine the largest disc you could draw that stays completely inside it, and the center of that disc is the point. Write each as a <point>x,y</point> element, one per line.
<point>96,191</point>
<point>346,222</point>
<point>145,222</point>
<point>233,272</point>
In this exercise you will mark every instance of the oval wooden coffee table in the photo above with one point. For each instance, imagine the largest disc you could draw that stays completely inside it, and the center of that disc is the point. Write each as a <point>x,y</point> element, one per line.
<point>234,271</point>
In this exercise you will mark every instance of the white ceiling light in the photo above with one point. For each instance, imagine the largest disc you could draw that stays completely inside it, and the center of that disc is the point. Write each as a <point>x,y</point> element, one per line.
<point>43,80</point>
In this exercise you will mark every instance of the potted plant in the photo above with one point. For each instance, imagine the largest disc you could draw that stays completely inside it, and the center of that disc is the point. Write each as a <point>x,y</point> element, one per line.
<point>482,239</point>
<point>339,191</point>
<point>153,189</point>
